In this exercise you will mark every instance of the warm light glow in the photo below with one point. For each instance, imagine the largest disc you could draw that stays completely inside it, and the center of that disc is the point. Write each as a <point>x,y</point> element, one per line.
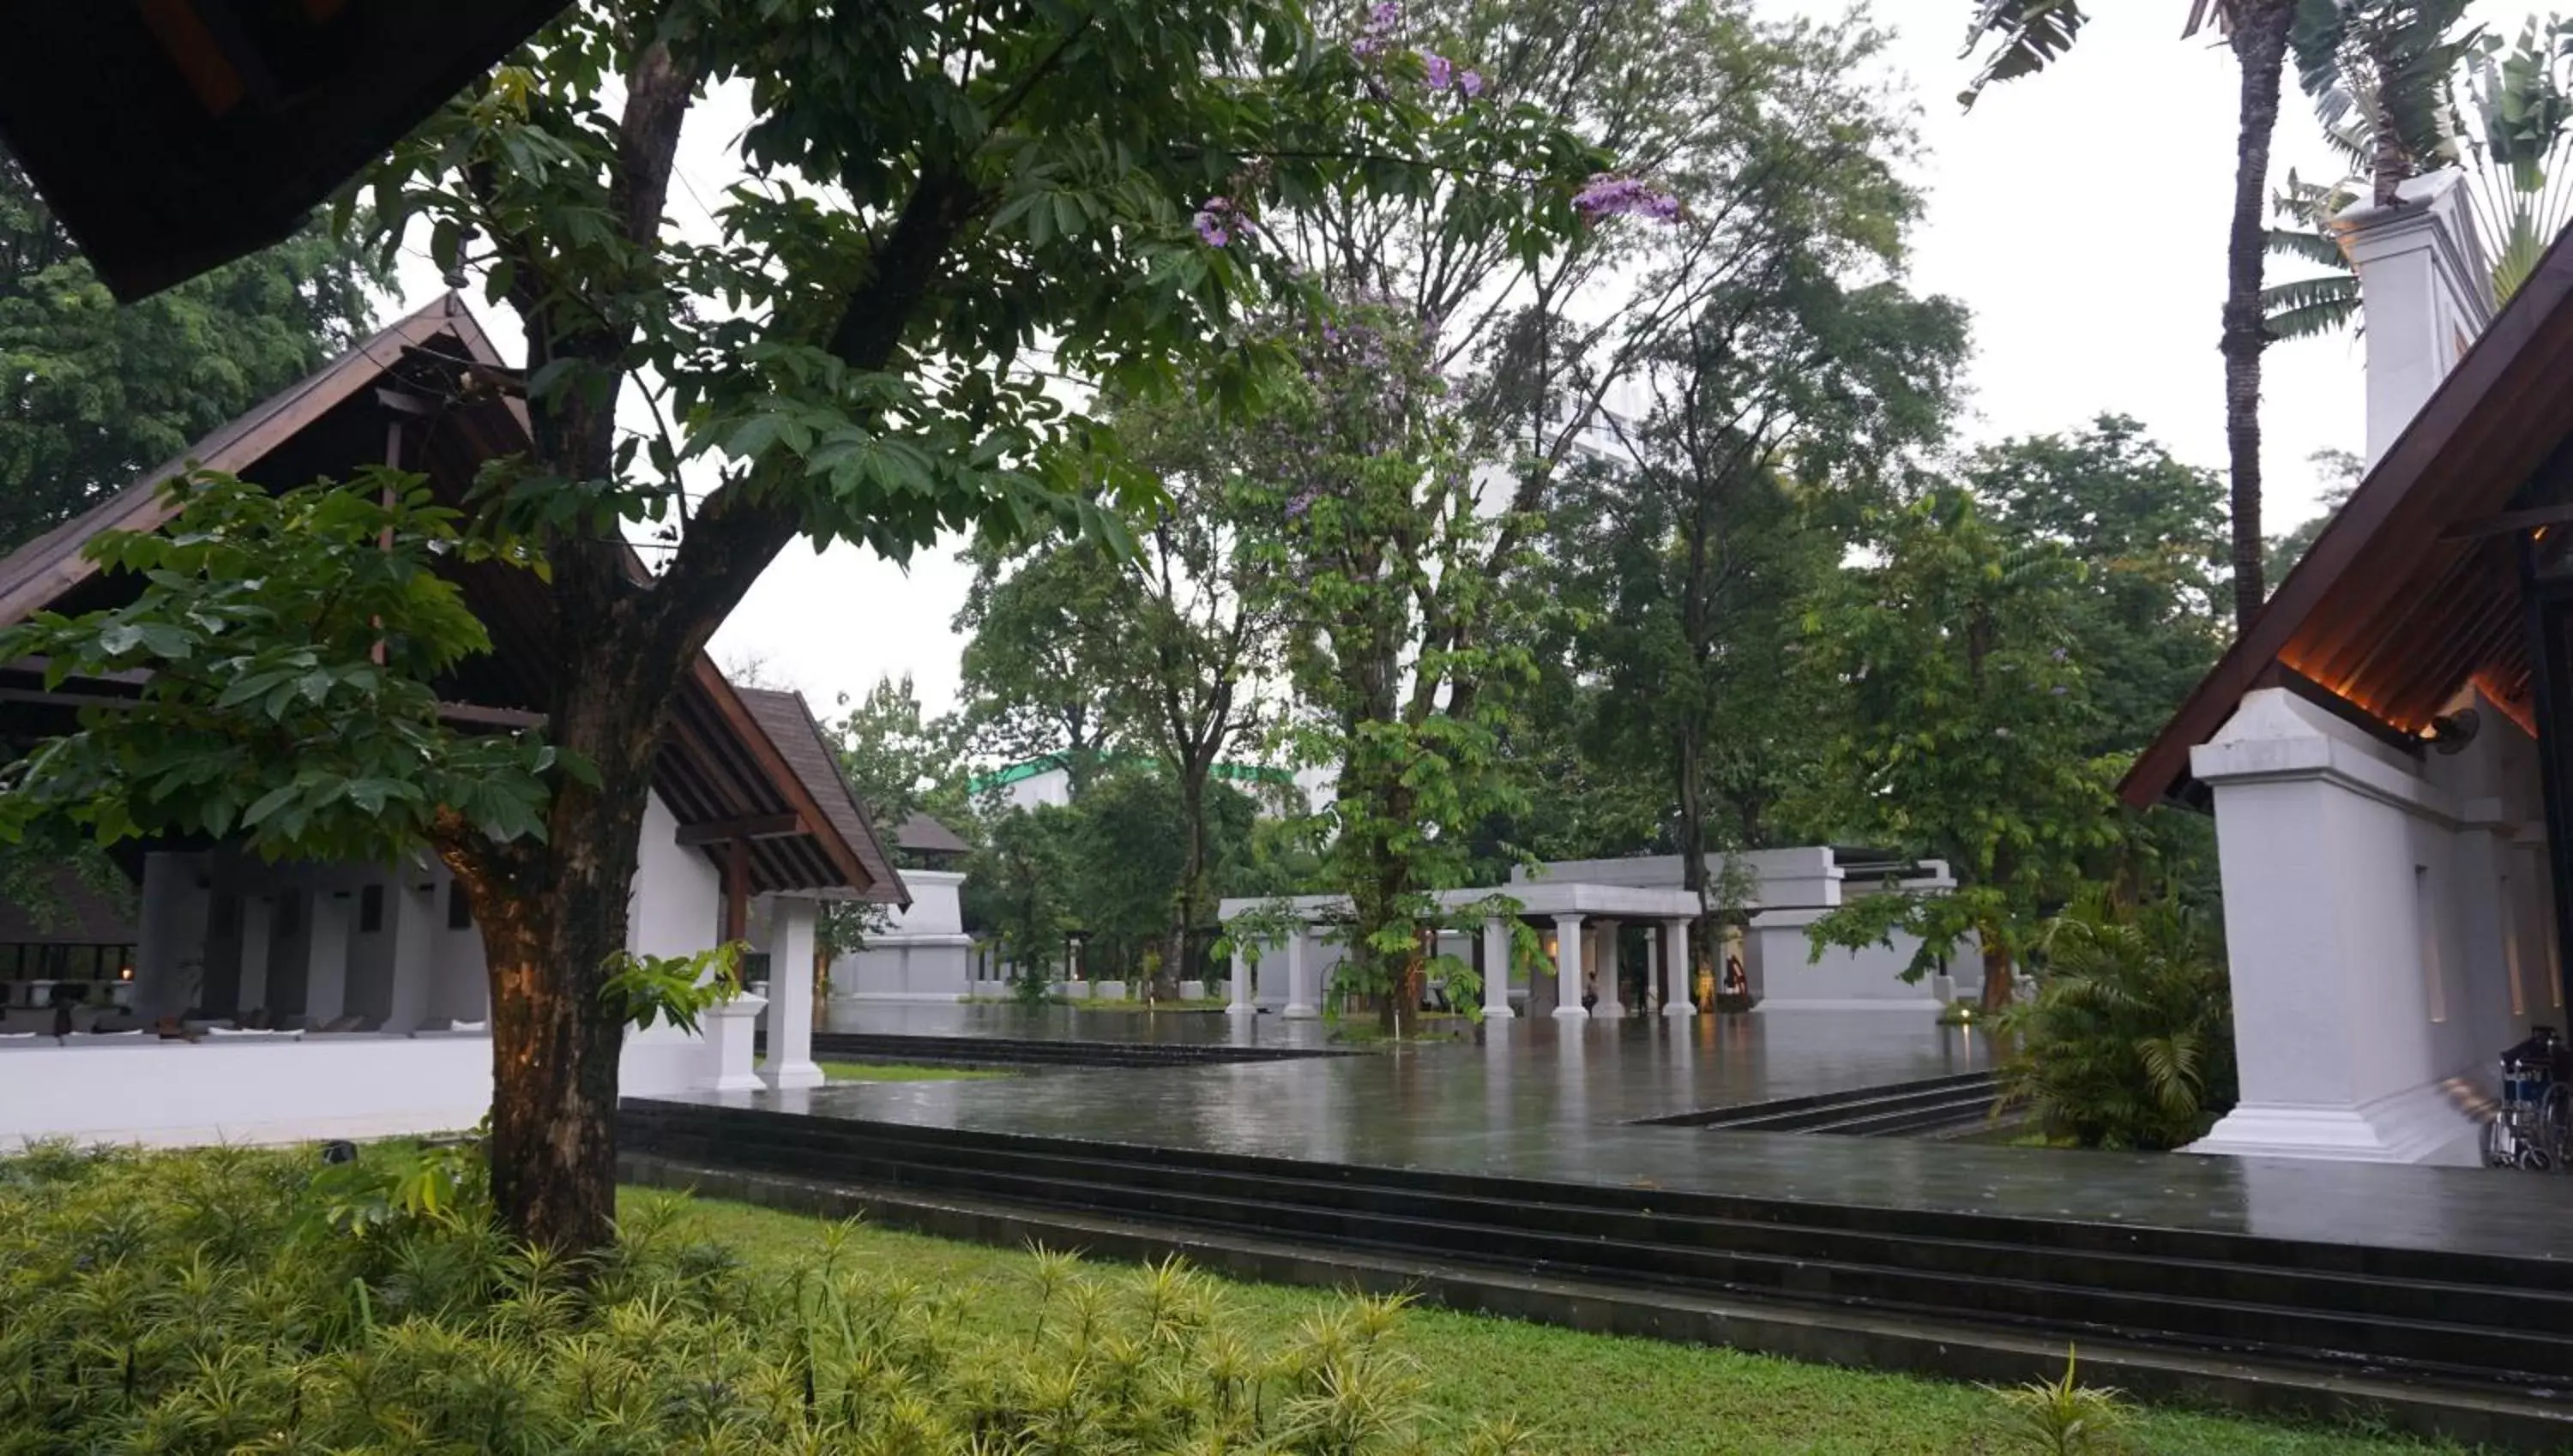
<point>125,973</point>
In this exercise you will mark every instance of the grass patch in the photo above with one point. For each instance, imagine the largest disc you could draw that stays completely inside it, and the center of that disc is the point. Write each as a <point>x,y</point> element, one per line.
<point>1589,1395</point>
<point>905,1072</point>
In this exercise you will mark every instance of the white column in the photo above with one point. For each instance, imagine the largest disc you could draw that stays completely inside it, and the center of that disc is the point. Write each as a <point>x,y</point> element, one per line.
<point>1567,969</point>
<point>258,920</point>
<point>728,1028</point>
<point>2426,289</point>
<point>1675,970</point>
<point>1609,1005</point>
<point>2332,939</point>
<point>1241,1004</point>
<point>790,995</point>
<point>326,959</point>
<point>1299,987</point>
<point>1496,969</point>
<point>416,915</point>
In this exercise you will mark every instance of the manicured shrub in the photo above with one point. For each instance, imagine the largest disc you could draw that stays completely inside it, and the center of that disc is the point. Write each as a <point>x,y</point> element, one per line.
<point>255,1302</point>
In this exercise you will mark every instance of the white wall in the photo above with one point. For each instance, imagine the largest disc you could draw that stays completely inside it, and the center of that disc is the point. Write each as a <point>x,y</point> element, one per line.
<point>142,1089</point>
<point>677,907</point>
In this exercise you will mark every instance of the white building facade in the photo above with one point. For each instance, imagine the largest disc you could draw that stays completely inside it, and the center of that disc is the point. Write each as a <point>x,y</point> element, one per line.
<point>2382,748</point>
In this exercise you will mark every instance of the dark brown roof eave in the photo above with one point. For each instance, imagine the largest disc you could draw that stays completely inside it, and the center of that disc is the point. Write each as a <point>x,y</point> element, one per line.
<point>2469,403</point>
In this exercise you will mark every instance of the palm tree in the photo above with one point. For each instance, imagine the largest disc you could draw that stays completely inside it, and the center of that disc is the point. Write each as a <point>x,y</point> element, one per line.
<point>2505,117</point>
<point>2028,34</point>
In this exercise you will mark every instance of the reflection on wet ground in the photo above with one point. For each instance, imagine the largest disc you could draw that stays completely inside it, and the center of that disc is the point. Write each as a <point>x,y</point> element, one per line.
<point>1557,1101</point>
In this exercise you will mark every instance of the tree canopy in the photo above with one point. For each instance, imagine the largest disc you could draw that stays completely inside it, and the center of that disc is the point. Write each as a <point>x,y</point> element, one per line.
<point>100,392</point>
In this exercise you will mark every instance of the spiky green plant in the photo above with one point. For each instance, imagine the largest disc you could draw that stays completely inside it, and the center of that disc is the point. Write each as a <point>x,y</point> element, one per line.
<point>2129,1041</point>
<point>2064,1417</point>
<point>205,1302</point>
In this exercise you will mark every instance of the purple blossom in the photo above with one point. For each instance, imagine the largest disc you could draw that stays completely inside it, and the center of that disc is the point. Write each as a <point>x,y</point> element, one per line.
<point>1436,67</point>
<point>1471,83</point>
<point>1302,503</point>
<point>1220,221</point>
<point>1383,23</point>
<point>2059,655</point>
<point>2058,690</point>
<point>1609,195</point>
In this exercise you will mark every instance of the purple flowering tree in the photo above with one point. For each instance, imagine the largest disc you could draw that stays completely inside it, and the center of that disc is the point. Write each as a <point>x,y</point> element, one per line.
<point>1361,519</point>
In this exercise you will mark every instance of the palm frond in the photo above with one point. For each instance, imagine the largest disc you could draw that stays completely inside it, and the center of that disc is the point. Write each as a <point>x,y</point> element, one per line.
<point>2025,35</point>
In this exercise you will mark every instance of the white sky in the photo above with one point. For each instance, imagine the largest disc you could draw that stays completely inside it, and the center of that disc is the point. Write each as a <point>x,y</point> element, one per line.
<point>2079,213</point>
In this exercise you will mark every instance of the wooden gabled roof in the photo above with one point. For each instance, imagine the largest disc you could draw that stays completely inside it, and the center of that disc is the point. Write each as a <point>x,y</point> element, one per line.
<point>718,764</point>
<point>789,724</point>
<point>2412,591</point>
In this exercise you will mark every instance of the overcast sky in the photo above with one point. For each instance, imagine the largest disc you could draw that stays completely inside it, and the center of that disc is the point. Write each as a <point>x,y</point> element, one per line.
<point>2079,213</point>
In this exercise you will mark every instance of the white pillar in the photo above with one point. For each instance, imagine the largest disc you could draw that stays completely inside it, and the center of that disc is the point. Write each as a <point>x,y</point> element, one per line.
<point>2426,291</point>
<point>1241,1004</point>
<point>728,1028</point>
<point>416,923</point>
<point>790,995</point>
<point>1496,969</point>
<point>326,959</point>
<point>1609,967</point>
<point>1567,969</point>
<point>1299,987</point>
<point>1675,970</point>
<point>258,920</point>
<point>2333,936</point>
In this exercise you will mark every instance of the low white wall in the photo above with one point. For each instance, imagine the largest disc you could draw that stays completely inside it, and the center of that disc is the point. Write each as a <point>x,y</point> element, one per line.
<point>169,1094</point>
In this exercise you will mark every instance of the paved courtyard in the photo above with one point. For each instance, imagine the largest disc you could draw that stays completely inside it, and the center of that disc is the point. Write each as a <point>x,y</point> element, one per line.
<point>1562,1103</point>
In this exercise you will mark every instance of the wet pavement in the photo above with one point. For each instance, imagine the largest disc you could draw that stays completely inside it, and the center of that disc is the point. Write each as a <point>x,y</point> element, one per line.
<point>1558,1102</point>
<point>1073,1023</point>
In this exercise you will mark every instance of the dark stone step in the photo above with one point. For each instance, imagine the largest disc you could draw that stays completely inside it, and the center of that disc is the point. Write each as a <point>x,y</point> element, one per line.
<point>1887,1220</point>
<point>2481,1414</point>
<point>1745,1114</point>
<point>2215,1305</point>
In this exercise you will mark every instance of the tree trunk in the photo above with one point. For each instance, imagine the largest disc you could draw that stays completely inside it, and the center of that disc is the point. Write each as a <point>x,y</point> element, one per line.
<point>1997,982</point>
<point>552,916</point>
<point>1192,876</point>
<point>2261,48</point>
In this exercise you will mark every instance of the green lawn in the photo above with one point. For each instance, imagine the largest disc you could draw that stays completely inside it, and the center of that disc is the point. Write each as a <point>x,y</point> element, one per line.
<point>903,1072</point>
<point>1591,1395</point>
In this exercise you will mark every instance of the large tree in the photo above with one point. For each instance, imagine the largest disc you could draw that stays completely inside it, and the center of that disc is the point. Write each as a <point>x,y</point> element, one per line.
<point>1787,402</point>
<point>99,393</point>
<point>2149,533</point>
<point>929,192</point>
<point>1959,729</point>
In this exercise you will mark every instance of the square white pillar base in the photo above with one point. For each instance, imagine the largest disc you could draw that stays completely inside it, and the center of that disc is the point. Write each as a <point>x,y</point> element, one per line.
<point>1242,1008</point>
<point>1679,1008</point>
<point>1299,1012</point>
<point>796,1074</point>
<point>1499,1014</point>
<point>728,1030</point>
<point>2426,1124</point>
<point>1572,1012</point>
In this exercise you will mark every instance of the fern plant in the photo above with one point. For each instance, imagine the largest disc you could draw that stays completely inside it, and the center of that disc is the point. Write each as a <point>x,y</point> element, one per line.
<point>2129,1041</point>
